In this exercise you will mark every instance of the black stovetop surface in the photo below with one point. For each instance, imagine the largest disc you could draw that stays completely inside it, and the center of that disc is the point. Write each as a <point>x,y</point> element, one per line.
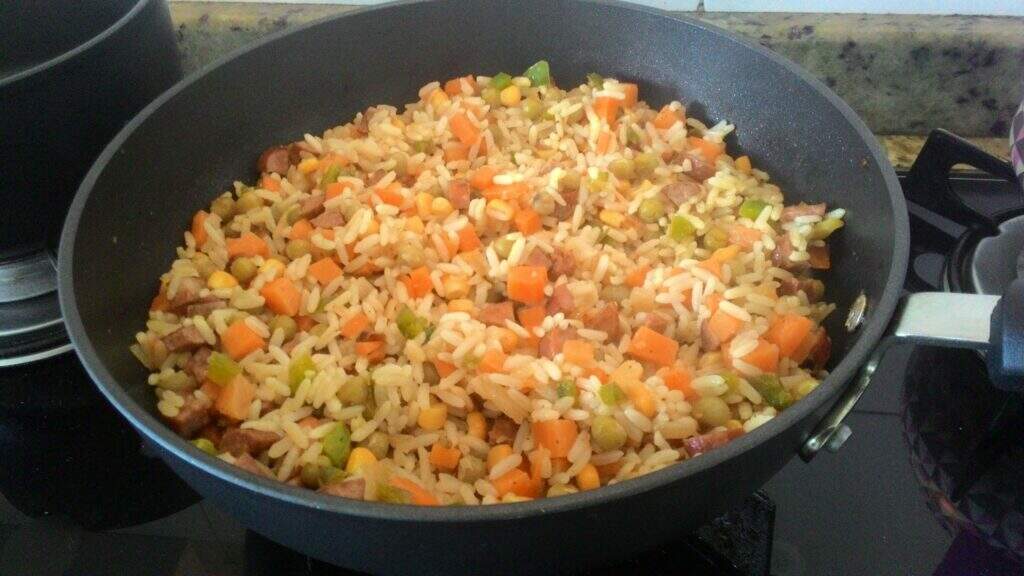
<point>79,496</point>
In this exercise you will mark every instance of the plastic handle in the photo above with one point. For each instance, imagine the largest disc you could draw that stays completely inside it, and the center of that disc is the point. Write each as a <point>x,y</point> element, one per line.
<point>1005,357</point>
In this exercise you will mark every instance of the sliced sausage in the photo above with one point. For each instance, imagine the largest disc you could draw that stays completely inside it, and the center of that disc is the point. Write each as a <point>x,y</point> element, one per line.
<point>354,488</point>
<point>695,445</point>
<point>459,193</point>
<point>374,177</point>
<point>561,301</point>
<point>708,340</point>
<point>700,168</point>
<point>311,206</point>
<point>330,219</point>
<point>537,257</point>
<point>790,213</point>
<point>503,431</point>
<point>571,197</point>
<point>679,192</point>
<point>562,263</point>
<point>605,319</point>
<point>240,441</point>
<point>274,159</point>
<point>780,256</point>
<point>184,338</point>
<point>295,150</point>
<point>496,314</point>
<point>553,341</point>
<point>193,415</point>
<point>248,463</point>
<point>656,322</point>
<point>198,363</point>
<point>203,306</point>
<point>187,293</point>
<point>821,351</point>
<point>814,289</point>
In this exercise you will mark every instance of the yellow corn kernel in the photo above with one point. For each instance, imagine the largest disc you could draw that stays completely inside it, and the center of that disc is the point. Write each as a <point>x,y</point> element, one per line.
<point>612,218</point>
<point>497,454</point>
<point>372,228</point>
<point>455,287</point>
<point>272,264</point>
<point>308,165</point>
<point>461,305</point>
<point>588,479</point>
<point>424,201</point>
<point>441,206</point>
<point>642,399</point>
<point>414,224</point>
<point>433,417</point>
<point>743,164</point>
<point>477,425</point>
<point>733,424</point>
<point>221,279</point>
<point>358,459</point>
<point>438,99</point>
<point>499,209</point>
<point>511,96</point>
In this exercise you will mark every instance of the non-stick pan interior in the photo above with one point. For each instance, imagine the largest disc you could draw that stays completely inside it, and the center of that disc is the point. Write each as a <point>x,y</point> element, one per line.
<point>209,132</point>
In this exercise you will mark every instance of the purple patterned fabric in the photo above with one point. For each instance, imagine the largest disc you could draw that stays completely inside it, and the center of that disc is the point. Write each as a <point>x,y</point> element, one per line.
<point>1017,143</point>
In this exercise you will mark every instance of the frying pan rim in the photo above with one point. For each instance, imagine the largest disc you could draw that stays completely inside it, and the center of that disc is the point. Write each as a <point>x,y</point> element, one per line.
<point>174,446</point>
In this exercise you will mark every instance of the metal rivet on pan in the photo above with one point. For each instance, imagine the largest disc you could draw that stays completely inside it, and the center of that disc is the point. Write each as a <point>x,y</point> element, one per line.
<point>855,317</point>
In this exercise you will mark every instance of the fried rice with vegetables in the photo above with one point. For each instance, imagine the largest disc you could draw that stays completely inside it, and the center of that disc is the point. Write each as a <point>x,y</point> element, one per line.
<point>505,291</point>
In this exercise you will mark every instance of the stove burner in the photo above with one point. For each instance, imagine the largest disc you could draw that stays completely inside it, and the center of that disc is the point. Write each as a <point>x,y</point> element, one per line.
<point>30,321</point>
<point>986,264</point>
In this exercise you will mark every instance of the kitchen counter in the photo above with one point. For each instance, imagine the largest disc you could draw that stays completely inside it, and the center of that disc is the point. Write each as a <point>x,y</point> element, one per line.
<point>904,75</point>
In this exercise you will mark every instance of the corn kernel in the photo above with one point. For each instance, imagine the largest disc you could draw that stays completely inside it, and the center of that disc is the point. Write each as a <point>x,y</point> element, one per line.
<point>588,478</point>
<point>477,425</point>
<point>372,228</point>
<point>642,399</point>
<point>438,99</point>
<point>455,287</point>
<point>612,218</point>
<point>441,206</point>
<point>272,264</point>
<point>461,305</point>
<point>423,204</point>
<point>733,424</point>
<point>743,164</point>
<point>433,417</point>
<point>221,279</point>
<point>308,165</point>
<point>414,224</point>
<point>511,96</point>
<point>497,454</point>
<point>499,209</point>
<point>359,459</point>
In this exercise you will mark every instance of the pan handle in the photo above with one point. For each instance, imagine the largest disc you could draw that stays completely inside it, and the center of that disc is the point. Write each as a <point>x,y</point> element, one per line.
<point>972,321</point>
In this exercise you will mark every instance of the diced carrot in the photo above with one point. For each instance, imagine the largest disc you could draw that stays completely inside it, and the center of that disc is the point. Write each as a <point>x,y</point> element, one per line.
<point>160,303</point>
<point>526,284</point>
<point>743,164</point>
<point>511,191</point>
<point>324,271</point>
<point>453,87</point>
<point>282,297</point>
<point>269,183</point>
<point>788,332</point>
<point>463,129</point>
<point>507,338</point>
<point>527,384</point>
<point>723,326</point>
<point>651,346</point>
<point>235,397</point>
<point>455,151</point>
<point>678,378</point>
<point>305,323</point>
<point>355,326</point>
<point>468,240</point>
<point>444,457</point>
<point>417,494</point>
<point>819,257</point>
<point>418,282</point>
<point>578,352</point>
<point>483,177</point>
<point>517,482</point>
<point>666,118</point>
<point>211,390</point>
<point>604,142</point>
<point>808,345</point>
<point>744,237</point>
<point>301,230</point>
<point>247,244</point>
<point>595,371</point>
<point>632,92</point>
<point>712,301</point>
<point>334,189</point>
<point>714,263</point>
<point>198,228</point>
<point>239,340</point>
<point>492,361</point>
<point>607,108</point>
<point>557,436</point>
<point>765,356</point>
<point>371,349</point>
<point>710,150</point>
<point>637,276</point>
<point>391,194</point>
<point>451,241</point>
<point>530,317</point>
<point>527,221</point>
<point>443,368</point>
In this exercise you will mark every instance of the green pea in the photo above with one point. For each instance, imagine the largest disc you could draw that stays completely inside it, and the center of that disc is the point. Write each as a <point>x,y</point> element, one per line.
<point>330,175</point>
<point>379,444</point>
<point>221,369</point>
<point>392,495</point>
<point>243,269</point>
<point>751,208</point>
<point>297,248</point>
<point>500,81</point>
<point>355,390</point>
<point>532,108</point>
<point>423,146</point>
<point>337,444</point>
<point>645,164</point>
<point>310,475</point>
<point>633,139</point>
<point>491,95</point>
<point>622,168</point>
<point>297,370</point>
<point>598,182</point>
<point>716,238</point>
<point>595,80</point>
<point>611,394</point>
<point>331,474</point>
<point>651,210</point>
<point>409,324</point>
<point>286,324</point>
<point>607,433</point>
<point>566,388</point>
<point>712,411</point>
<point>503,247</point>
<point>223,207</point>
<point>205,445</point>
<point>539,74</point>
<point>248,201</point>
<point>825,228</point>
<point>680,228</point>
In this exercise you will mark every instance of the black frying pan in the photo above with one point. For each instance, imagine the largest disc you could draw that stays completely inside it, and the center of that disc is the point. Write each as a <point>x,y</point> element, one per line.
<point>194,140</point>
